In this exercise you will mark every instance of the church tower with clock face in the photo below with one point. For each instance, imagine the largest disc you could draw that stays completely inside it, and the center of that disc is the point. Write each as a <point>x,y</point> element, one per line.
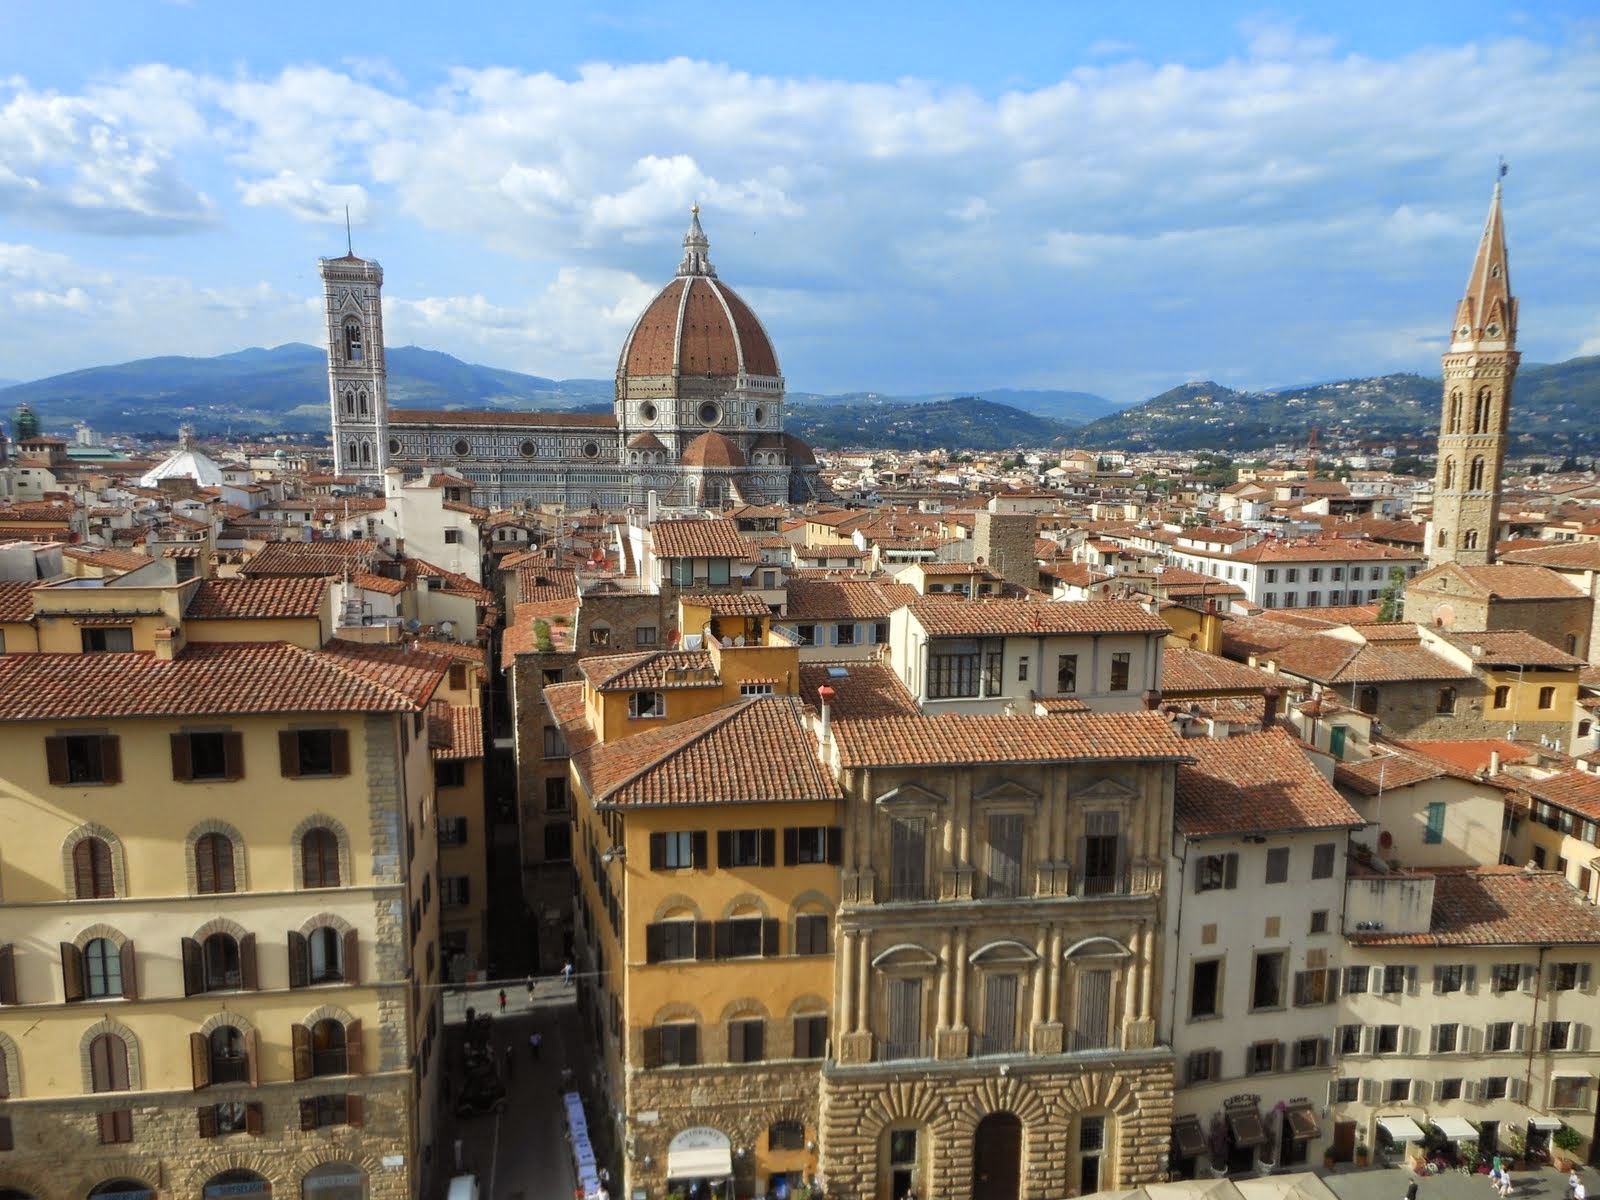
<point>1475,423</point>
<point>357,379</point>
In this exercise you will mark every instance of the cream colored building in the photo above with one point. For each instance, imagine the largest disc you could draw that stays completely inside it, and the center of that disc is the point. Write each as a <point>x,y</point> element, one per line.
<point>218,909</point>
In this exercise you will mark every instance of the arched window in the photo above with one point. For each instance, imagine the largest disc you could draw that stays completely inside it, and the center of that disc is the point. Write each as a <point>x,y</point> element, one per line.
<point>1443,538</point>
<point>1469,540</point>
<point>1452,422</point>
<point>1475,483</point>
<point>120,1187</point>
<point>355,452</point>
<point>328,1048</point>
<point>319,858</point>
<point>213,864</point>
<point>108,1063</point>
<point>325,946</point>
<point>366,453</point>
<point>352,341</point>
<point>91,869</point>
<point>361,403</point>
<point>221,962</point>
<point>229,1061</point>
<point>1480,412</point>
<point>1449,474</point>
<point>102,968</point>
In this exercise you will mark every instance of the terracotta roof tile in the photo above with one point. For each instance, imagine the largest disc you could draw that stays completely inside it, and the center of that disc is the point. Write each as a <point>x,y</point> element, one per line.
<point>845,599</point>
<point>459,735</point>
<point>107,557</point>
<point>650,669</point>
<point>1185,670</point>
<point>569,708</point>
<point>369,582</point>
<point>1253,783</point>
<point>973,618</point>
<point>1498,906</point>
<point>1508,581</point>
<point>1578,791</point>
<point>1558,556</point>
<point>731,604</point>
<point>541,582</point>
<point>16,599</point>
<point>716,538</point>
<point>1512,648</point>
<point>861,691</point>
<point>1332,660</point>
<point>960,739</point>
<point>328,557</point>
<point>224,599</point>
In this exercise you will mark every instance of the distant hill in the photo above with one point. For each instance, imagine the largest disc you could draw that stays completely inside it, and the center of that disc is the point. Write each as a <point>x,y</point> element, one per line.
<point>1554,406</point>
<point>282,388</point>
<point>1075,408</point>
<point>962,421</point>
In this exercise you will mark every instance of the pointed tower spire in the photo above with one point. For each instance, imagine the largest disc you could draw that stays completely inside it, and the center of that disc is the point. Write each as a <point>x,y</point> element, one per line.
<point>696,249</point>
<point>1486,318</point>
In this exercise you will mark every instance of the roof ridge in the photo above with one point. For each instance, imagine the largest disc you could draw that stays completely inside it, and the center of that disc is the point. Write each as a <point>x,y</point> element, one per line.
<point>331,658</point>
<point>713,720</point>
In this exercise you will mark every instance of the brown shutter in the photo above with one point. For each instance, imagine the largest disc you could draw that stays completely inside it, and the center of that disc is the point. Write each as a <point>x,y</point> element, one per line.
<point>194,971</point>
<point>769,847</point>
<point>289,753</point>
<point>724,848</point>
<point>130,970</point>
<point>458,680</point>
<point>658,851</point>
<point>351,956</point>
<point>6,1142</point>
<point>182,768</point>
<point>200,1060</point>
<point>698,842</point>
<point>308,1114</point>
<point>835,845</point>
<point>252,1058</point>
<point>300,1040</point>
<point>299,960</point>
<point>724,939</point>
<point>8,974</point>
<point>653,947</point>
<point>652,1047</point>
<point>791,846</point>
<point>72,971</point>
<point>83,872</point>
<point>55,758</point>
<point>769,937</point>
<point>205,865</point>
<point>110,758</point>
<point>735,1041</point>
<point>254,1119</point>
<point>339,740</point>
<point>233,756</point>
<point>119,1064</point>
<point>703,934</point>
<point>354,1058</point>
<point>247,963</point>
<point>206,1115</point>
<point>354,1114</point>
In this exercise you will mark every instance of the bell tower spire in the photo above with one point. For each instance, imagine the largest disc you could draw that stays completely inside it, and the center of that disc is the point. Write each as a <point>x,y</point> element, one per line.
<point>1474,425</point>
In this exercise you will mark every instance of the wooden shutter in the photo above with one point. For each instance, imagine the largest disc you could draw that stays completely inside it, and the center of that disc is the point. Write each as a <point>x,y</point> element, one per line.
<point>252,1058</point>
<point>724,939</point>
<point>222,849</point>
<point>835,845</point>
<point>654,943</point>
<point>354,1057</point>
<point>350,955</point>
<point>247,963</point>
<point>8,974</point>
<point>1411,981</point>
<point>182,770</point>
<point>130,970</point>
<point>1280,1052</point>
<point>339,742</point>
<point>200,1060</point>
<point>724,848</point>
<point>791,846</point>
<point>769,938</point>
<point>704,934</point>
<point>254,1119</point>
<point>289,753</point>
<point>1438,980</point>
<point>110,758</point>
<point>72,971</point>
<point>688,1045</point>
<point>736,1041</point>
<point>206,1117</point>
<point>1000,1012</point>
<point>697,841</point>
<point>233,756</point>
<point>652,1047</point>
<point>1529,974</point>
<point>354,1114</point>
<point>458,677</point>
<point>308,1114</point>
<point>300,1042</point>
<point>769,847</point>
<point>658,851</point>
<point>1230,870</point>
<point>55,759</point>
<point>1469,980</point>
<point>194,969</point>
<point>299,960</point>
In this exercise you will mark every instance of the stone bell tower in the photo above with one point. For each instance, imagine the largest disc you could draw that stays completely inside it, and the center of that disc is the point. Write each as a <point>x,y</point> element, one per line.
<point>357,378</point>
<point>1474,426</point>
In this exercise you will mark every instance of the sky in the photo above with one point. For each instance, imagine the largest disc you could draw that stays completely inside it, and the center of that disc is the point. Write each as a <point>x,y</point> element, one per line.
<point>915,197</point>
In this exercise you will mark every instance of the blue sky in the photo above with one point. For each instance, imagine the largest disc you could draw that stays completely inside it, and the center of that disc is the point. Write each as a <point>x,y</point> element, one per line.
<point>1114,198</point>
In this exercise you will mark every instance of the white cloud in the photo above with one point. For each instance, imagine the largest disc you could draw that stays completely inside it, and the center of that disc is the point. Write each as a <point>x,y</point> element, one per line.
<point>308,199</point>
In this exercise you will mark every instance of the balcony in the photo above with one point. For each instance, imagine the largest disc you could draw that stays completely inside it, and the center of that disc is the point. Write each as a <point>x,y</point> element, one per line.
<point>988,1045</point>
<point>1114,883</point>
<point>906,890</point>
<point>890,1050</point>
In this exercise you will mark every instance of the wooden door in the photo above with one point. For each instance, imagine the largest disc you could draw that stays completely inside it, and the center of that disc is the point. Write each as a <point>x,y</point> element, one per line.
<point>997,1158</point>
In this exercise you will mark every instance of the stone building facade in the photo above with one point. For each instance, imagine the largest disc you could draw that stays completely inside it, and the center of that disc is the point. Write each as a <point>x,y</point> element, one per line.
<point>352,292</point>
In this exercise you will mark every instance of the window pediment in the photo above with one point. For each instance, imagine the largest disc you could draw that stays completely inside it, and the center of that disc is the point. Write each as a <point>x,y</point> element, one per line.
<point>1002,954</point>
<point>1008,792</point>
<point>1105,790</point>
<point>1097,947</point>
<point>909,795</point>
<point>907,956</point>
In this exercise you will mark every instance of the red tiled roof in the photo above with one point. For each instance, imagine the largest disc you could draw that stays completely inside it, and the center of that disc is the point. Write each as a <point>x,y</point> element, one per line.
<point>961,739</point>
<point>862,691</point>
<point>459,735</point>
<point>1253,783</point>
<point>1473,755</point>
<point>1332,660</point>
<point>235,599</point>
<point>1185,670</point>
<point>1558,556</point>
<point>730,604</point>
<point>1498,906</point>
<point>107,557</point>
<point>1508,581</point>
<point>1575,790</point>
<point>369,582</point>
<point>224,679</point>
<point>309,558</point>
<point>542,582</point>
<point>716,538</point>
<point>973,618</point>
<point>650,669</point>
<point>16,599</point>
<point>1512,648</point>
<point>845,599</point>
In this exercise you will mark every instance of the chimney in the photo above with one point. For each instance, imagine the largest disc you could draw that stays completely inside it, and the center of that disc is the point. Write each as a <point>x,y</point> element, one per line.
<point>169,642</point>
<point>825,734</point>
<point>650,508</point>
<point>1152,700</point>
<point>1494,762</point>
<point>1269,715</point>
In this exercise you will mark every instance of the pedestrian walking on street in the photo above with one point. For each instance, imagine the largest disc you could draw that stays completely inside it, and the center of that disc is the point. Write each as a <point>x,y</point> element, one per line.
<point>1579,1192</point>
<point>1505,1183</point>
<point>502,1000</point>
<point>534,1042</point>
<point>1572,1183</point>
<point>1411,1192</point>
<point>566,971</point>
<point>530,989</point>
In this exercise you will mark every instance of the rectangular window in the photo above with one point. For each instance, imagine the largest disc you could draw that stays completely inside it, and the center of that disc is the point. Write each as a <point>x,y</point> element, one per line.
<point>83,758</point>
<point>1446,1038</point>
<point>908,858</point>
<point>679,1046</point>
<point>1349,1039</point>
<point>1278,865</point>
<point>672,851</point>
<point>1494,1087</point>
<point>1507,977</point>
<point>743,937</point>
<point>755,689</point>
<point>116,1127</point>
<point>905,1019</point>
<point>1313,598</point>
<point>1067,674</point>
<point>557,841</point>
<point>207,756</point>
<point>1319,921</point>
<point>1267,989</point>
<point>1387,1040</point>
<point>1202,1066</point>
<point>952,676</point>
<point>314,752</point>
<point>644,635</point>
<point>1565,976</point>
<point>1450,978</point>
<point>1205,989</point>
<point>455,891</point>
<point>880,632</point>
<point>1336,574</point>
<point>1323,856</point>
<point>647,706</point>
<point>745,848</point>
<point>1434,833</point>
<point>1355,980</point>
<point>1292,575</point>
<point>1121,664</point>
<point>1448,1089</point>
<point>669,941</point>
<point>97,641</point>
<point>1216,871</point>
<point>1547,697</point>
<point>810,844</point>
<point>807,634</point>
<point>999,1034</point>
<point>811,933</point>
<point>1272,574</point>
<point>1315,575</point>
<point>1499,1036</point>
<point>1313,987</point>
<point>1394,980</point>
<point>1502,696</point>
<point>1558,1035</point>
<point>1308,1052</point>
<point>811,1036</point>
<point>452,831</point>
<point>1570,1091</point>
<point>1399,1091</point>
<point>844,634</point>
<point>1261,1058</point>
<point>1345,1091</point>
<point>1022,669</point>
<point>451,773</point>
<point>555,793</point>
<point>683,571</point>
<point>452,537</point>
<point>1102,855</point>
<point>1005,855</point>
<point>747,1040</point>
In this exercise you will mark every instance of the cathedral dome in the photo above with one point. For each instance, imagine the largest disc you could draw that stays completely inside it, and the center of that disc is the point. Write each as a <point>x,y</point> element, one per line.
<point>697,326</point>
<point>800,454</point>
<point>712,449</point>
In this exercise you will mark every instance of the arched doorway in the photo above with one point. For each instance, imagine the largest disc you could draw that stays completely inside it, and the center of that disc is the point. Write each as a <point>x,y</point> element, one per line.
<point>334,1181</point>
<point>238,1184</point>
<point>997,1158</point>
<point>122,1189</point>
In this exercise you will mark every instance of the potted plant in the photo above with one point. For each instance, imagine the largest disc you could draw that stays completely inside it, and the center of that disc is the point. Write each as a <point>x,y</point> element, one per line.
<point>1362,1154</point>
<point>1566,1140</point>
<point>1327,1158</point>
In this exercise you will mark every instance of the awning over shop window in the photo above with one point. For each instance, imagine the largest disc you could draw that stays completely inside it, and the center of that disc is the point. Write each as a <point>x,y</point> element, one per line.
<point>1248,1131</point>
<point>1456,1128</point>
<point>700,1153</point>
<point>1188,1135</point>
<point>1303,1122</point>
<point>1401,1129</point>
<point>1547,1124</point>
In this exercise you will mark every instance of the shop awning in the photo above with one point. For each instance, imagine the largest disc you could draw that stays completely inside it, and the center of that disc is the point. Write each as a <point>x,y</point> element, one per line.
<point>1401,1129</point>
<point>700,1162</point>
<point>1188,1135</point>
<point>1303,1122</point>
<point>1547,1124</point>
<point>1248,1131</point>
<point>1456,1128</point>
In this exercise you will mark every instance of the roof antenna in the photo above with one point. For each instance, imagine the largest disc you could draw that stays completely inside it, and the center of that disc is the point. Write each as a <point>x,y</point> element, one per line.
<point>350,246</point>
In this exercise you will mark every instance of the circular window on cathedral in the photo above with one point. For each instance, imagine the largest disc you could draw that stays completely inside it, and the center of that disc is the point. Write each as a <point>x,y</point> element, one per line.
<point>527,449</point>
<point>394,445</point>
<point>760,415</point>
<point>591,449</point>
<point>462,446</point>
<point>648,412</point>
<point>1464,331</point>
<point>1493,330</point>
<point>710,414</point>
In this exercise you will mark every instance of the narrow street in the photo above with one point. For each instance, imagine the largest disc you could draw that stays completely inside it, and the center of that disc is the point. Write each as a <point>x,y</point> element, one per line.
<point>522,1154</point>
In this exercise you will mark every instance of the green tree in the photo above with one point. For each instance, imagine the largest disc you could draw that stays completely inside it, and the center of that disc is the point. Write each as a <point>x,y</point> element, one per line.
<point>1390,601</point>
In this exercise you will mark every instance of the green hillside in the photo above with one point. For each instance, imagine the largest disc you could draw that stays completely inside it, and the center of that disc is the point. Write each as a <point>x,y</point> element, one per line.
<point>965,422</point>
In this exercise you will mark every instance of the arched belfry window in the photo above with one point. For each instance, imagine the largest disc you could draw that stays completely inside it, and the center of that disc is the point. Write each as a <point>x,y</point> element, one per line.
<point>1449,473</point>
<point>1453,419</point>
<point>1475,483</point>
<point>353,349</point>
<point>1480,413</point>
<point>361,403</point>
